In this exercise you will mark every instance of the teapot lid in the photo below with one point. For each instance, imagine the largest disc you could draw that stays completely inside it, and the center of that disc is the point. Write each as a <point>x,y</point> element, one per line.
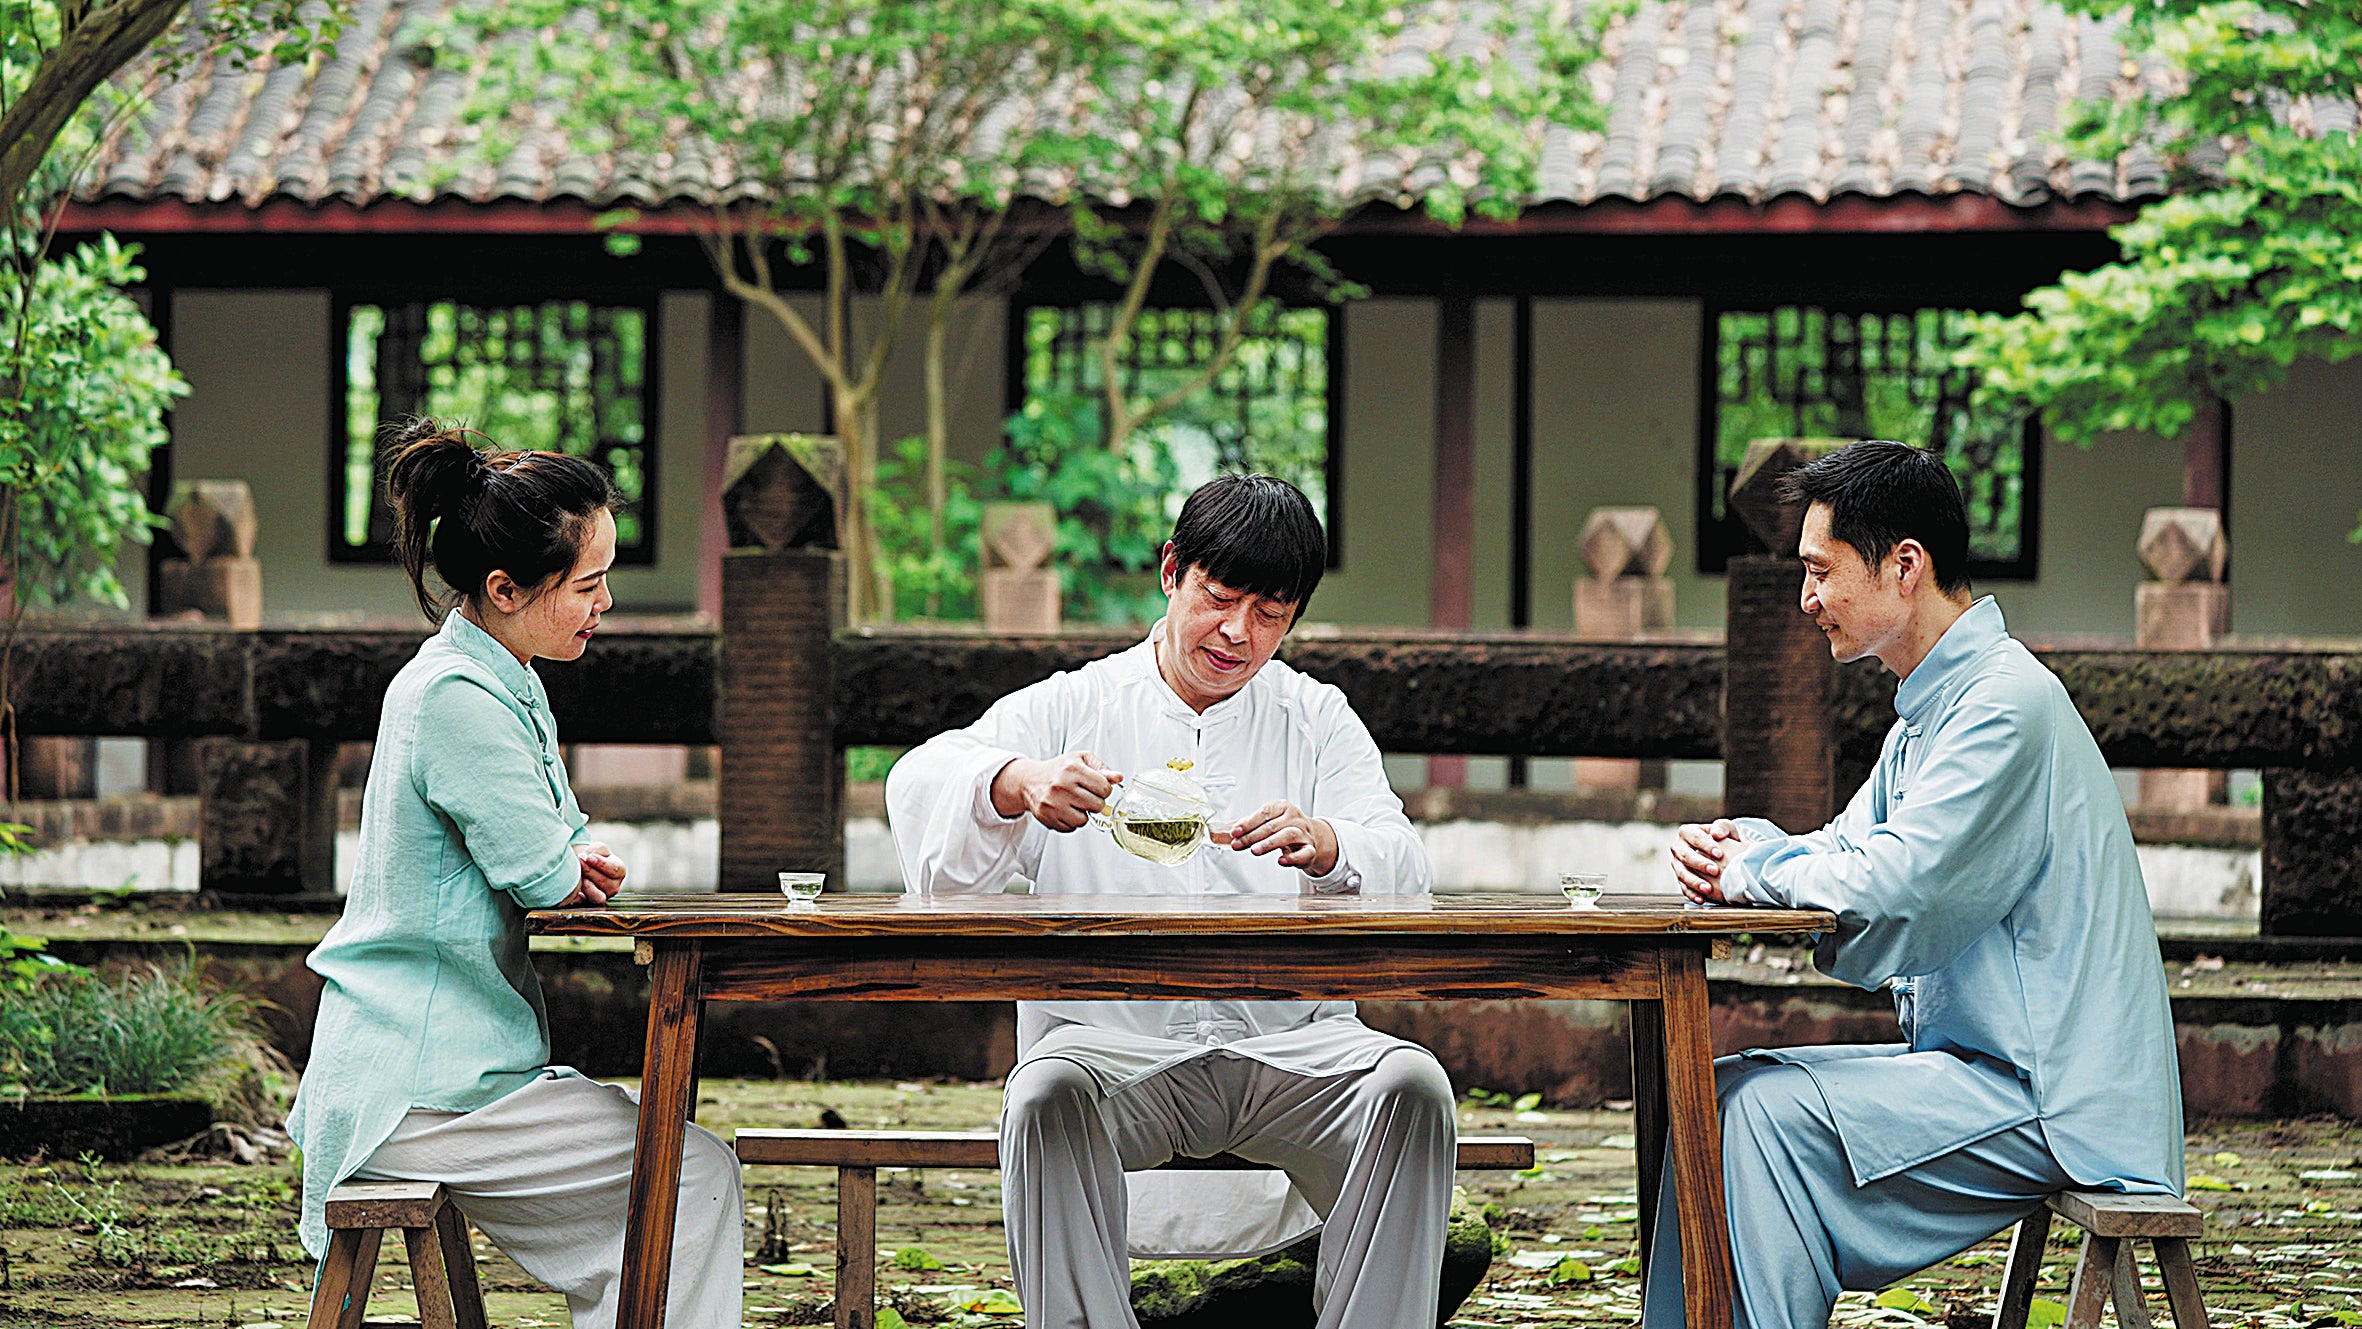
<point>1173,781</point>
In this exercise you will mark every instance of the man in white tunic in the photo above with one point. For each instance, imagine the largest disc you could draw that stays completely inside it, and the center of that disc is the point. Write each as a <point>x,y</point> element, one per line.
<point>1986,874</point>
<point>1359,1123</point>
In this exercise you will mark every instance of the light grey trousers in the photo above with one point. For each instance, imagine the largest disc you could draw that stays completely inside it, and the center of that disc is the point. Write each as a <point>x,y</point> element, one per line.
<point>1801,1231</point>
<point>1373,1150</point>
<point>546,1173</point>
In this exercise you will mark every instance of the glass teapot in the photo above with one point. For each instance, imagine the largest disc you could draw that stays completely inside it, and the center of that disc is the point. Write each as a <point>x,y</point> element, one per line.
<point>1159,815</point>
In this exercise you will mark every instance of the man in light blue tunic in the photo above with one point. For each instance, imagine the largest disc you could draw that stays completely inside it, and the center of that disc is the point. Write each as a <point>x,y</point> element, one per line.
<point>1986,875</point>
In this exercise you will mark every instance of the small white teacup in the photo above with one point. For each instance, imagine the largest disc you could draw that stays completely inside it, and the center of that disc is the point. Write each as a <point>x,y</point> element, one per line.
<point>801,888</point>
<point>1582,889</point>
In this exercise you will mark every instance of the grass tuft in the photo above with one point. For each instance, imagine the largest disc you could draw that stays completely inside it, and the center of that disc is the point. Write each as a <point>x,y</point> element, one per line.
<point>147,1032</point>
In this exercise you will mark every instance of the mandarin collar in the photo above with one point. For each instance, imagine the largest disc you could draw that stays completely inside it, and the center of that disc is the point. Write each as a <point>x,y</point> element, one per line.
<point>486,650</point>
<point>1971,635</point>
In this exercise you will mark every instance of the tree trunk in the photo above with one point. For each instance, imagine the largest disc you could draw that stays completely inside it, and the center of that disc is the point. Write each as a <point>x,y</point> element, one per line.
<point>89,52</point>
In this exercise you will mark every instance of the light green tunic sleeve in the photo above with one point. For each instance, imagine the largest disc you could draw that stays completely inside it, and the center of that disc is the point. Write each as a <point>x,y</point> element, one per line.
<point>508,800</point>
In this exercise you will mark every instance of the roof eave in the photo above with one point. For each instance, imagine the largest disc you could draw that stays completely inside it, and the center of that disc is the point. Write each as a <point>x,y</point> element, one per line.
<point>1794,214</point>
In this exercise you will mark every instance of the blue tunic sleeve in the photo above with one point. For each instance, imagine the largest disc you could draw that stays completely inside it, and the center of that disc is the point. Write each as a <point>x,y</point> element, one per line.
<point>1955,851</point>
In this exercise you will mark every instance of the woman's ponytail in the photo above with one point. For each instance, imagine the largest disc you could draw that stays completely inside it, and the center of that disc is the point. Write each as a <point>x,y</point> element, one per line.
<point>471,512</point>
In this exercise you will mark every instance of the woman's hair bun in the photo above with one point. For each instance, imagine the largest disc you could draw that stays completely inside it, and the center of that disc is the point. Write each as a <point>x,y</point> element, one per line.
<point>472,511</point>
<point>435,471</point>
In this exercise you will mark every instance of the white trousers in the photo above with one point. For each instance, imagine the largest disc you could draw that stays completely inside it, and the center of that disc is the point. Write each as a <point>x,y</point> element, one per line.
<point>1372,1150</point>
<point>546,1173</point>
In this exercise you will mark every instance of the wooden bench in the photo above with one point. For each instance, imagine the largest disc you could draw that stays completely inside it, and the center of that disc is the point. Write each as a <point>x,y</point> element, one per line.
<point>2112,1224</point>
<point>442,1268</point>
<point>857,1156</point>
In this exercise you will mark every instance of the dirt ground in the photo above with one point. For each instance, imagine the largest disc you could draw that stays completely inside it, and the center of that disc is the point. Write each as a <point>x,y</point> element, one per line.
<point>208,1242</point>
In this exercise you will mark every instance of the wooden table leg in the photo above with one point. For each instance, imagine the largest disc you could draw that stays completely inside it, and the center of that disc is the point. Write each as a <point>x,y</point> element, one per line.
<point>1695,1125</point>
<point>676,1007</point>
<point>1647,1022</point>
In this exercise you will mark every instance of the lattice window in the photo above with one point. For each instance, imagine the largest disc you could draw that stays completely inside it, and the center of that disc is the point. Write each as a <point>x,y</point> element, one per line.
<point>1268,410</point>
<point>561,375</point>
<point>1805,372</point>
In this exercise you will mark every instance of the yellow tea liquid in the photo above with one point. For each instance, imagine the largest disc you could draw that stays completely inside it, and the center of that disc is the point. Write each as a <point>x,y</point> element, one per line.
<point>1170,841</point>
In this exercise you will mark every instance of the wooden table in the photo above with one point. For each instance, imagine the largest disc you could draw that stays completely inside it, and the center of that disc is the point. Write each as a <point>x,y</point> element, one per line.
<point>1646,950</point>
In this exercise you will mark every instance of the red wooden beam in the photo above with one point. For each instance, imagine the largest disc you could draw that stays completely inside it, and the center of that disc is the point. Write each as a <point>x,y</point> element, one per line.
<point>1793,214</point>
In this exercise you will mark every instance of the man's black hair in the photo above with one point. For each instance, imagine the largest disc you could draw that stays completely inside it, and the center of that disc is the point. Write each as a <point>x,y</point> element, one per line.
<point>1881,494</point>
<point>1253,533</point>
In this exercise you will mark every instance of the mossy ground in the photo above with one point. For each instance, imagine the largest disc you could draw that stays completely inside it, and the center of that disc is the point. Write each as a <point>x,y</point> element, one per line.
<point>211,1243</point>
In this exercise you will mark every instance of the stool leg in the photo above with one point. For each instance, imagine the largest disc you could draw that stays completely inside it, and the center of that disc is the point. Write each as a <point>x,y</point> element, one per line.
<point>343,1294</point>
<point>428,1279</point>
<point>2181,1282</point>
<point>2025,1265</point>
<point>2089,1294</point>
<point>459,1263</point>
<point>2132,1309</point>
<point>857,1247</point>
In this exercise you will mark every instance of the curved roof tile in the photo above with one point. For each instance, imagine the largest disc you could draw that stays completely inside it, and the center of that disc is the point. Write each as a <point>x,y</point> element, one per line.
<point>1703,99</point>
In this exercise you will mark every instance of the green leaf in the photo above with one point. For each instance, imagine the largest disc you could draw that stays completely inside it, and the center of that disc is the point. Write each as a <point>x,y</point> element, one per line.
<point>1569,1270</point>
<point>790,1270</point>
<point>889,1318</point>
<point>1904,1299</point>
<point>913,1257</point>
<point>2044,1313</point>
<point>1527,1102</point>
<point>997,1301</point>
<point>2207,1181</point>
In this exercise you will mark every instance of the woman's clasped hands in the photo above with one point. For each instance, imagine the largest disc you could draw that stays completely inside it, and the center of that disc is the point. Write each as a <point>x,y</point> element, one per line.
<point>602,875</point>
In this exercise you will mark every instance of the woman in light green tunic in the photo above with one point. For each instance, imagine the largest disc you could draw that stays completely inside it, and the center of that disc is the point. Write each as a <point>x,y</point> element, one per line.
<point>430,1056</point>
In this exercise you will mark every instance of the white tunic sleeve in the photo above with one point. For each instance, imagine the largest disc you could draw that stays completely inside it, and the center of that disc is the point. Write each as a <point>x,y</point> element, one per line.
<point>1378,851</point>
<point>947,835</point>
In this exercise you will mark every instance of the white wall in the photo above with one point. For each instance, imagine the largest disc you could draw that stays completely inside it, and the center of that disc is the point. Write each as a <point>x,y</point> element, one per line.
<point>258,410</point>
<point>2296,486</point>
<point>2092,501</point>
<point>1616,424</point>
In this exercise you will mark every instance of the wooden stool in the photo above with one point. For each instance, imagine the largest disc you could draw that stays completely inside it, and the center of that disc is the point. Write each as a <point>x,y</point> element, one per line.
<point>442,1268</point>
<point>2112,1224</point>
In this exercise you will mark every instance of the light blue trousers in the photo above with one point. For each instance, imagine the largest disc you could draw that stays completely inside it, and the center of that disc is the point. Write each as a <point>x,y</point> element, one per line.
<point>1801,1231</point>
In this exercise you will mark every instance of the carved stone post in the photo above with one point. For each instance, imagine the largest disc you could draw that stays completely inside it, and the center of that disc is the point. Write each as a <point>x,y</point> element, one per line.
<point>1779,744</point>
<point>1626,597</point>
<point>1017,590</point>
<point>781,777</point>
<point>217,575</point>
<point>2187,608</point>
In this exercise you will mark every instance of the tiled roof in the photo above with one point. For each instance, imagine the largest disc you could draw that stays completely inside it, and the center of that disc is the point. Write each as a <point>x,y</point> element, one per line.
<point>1746,99</point>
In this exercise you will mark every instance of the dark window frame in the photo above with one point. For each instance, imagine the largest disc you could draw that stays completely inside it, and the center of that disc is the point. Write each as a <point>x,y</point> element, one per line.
<point>646,301</point>
<point>1719,540</point>
<point>1022,305</point>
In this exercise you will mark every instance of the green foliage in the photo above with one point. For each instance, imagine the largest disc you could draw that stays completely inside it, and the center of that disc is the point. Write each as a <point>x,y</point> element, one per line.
<point>26,961</point>
<point>929,581</point>
<point>1115,509</point>
<point>2226,284</point>
<point>867,765</point>
<point>143,1033</point>
<point>83,393</point>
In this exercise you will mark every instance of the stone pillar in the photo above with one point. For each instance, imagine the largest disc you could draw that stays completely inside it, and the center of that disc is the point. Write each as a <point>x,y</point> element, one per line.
<point>1626,597</point>
<point>217,576</point>
<point>2187,608</point>
<point>2312,883</point>
<point>1779,743</point>
<point>781,778</point>
<point>1017,590</point>
<point>266,816</point>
